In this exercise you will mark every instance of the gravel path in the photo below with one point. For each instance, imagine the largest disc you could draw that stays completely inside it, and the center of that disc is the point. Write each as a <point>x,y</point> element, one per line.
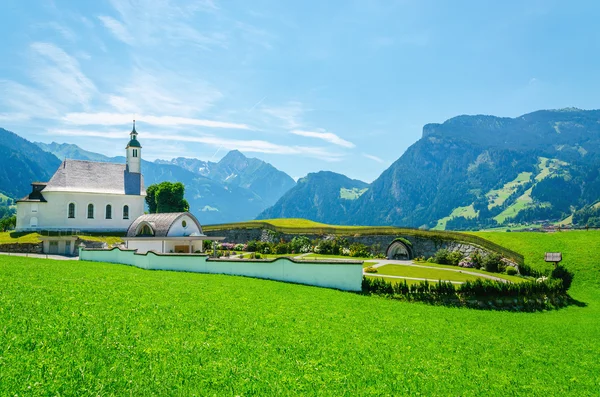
<point>411,278</point>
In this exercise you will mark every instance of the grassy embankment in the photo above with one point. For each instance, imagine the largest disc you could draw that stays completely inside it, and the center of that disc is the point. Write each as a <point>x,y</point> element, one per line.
<point>100,329</point>
<point>28,237</point>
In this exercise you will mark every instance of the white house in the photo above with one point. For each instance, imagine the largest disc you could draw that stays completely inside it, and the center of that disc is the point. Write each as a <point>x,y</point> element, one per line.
<point>87,196</point>
<point>175,232</point>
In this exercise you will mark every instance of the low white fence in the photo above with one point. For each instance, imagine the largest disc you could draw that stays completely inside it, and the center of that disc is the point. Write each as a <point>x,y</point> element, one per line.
<point>339,275</point>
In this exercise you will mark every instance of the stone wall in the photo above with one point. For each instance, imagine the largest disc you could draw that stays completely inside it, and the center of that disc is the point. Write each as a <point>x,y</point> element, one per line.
<point>421,246</point>
<point>25,248</point>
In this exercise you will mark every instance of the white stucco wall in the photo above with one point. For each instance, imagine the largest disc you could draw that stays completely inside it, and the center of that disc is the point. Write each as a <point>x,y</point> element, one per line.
<point>178,230</point>
<point>54,213</point>
<point>143,246</point>
<point>343,276</point>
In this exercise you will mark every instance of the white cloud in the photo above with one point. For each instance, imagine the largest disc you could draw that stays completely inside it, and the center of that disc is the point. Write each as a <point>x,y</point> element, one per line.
<point>374,158</point>
<point>117,29</point>
<point>21,99</point>
<point>122,118</point>
<point>326,136</point>
<point>290,113</point>
<point>256,146</point>
<point>152,23</point>
<point>61,75</point>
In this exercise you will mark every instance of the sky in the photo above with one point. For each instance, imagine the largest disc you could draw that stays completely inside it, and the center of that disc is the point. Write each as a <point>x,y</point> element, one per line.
<point>344,86</point>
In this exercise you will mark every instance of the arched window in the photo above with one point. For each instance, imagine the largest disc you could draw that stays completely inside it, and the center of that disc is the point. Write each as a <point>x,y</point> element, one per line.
<point>90,211</point>
<point>145,230</point>
<point>71,211</point>
<point>125,212</point>
<point>108,211</point>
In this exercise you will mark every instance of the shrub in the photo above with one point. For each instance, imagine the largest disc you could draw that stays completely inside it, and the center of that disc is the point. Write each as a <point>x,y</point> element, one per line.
<point>466,262</point>
<point>477,259</point>
<point>281,248</point>
<point>492,262</point>
<point>454,258</point>
<point>300,244</point>
<point>561,273</point>
<point>511,271</point>
<point>257,255</point>
<point>358,250</point>
<point>370,269</point>
<point>441,257</point>
<point>239,247</point>
<point>251,246</point>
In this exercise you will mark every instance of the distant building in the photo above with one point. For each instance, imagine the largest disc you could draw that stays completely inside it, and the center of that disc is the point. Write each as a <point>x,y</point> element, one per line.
<point>87,196</point>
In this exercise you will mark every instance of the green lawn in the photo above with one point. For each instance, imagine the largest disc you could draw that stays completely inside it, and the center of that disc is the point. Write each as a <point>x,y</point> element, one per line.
<point>79,328</point>
<point>515,279</point>
<point>12,237</point>
<point>468,212</point>
<point>419,272</point>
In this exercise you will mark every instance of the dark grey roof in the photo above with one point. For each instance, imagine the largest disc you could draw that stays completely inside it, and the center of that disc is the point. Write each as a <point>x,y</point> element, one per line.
<point>95,177</point>
<point>160,223</point>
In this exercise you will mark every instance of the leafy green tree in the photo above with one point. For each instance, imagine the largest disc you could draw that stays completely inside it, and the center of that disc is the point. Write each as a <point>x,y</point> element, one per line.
<point>166,197</point>
<point>8,223</point>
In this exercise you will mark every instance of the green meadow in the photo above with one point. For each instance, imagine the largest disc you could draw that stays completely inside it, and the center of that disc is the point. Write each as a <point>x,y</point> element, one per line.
<point>94,329</point>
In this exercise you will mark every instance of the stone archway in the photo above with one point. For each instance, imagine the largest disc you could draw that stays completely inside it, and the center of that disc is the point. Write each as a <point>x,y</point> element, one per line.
<point>399,251</point>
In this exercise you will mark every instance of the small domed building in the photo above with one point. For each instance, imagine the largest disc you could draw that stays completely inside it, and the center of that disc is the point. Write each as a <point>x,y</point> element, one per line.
<point>174,232</point>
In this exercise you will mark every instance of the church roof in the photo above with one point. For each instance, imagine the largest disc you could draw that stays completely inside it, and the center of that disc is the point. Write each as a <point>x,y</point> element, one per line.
<point>134,143</point>
<point>160,223</point>
<point>95,177</point>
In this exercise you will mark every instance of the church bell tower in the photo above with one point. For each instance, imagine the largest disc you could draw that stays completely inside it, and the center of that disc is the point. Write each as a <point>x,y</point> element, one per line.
<point>134,152</point>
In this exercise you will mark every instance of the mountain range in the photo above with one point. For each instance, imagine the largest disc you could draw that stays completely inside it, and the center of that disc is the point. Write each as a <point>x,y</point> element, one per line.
<point>237,188</point>
<point>470,172</point>
<point>466,173</point>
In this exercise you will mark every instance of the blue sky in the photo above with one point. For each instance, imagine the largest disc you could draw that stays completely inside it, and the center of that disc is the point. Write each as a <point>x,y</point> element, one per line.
<point>344,86</point>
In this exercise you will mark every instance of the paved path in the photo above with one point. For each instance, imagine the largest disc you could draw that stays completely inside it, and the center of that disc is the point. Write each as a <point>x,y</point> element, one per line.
<point>42,256</point>
<point>384,262</point>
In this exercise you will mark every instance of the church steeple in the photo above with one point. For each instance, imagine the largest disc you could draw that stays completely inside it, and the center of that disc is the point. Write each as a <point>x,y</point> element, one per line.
<point>134,152</point>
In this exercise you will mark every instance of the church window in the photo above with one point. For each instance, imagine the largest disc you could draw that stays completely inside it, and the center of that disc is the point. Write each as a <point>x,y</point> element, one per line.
<point>134,152</point>
<point>183,223</point>
<point>125,212</point>
<point>108,211</point>
<point>71,210</point>
<point>90,211</point>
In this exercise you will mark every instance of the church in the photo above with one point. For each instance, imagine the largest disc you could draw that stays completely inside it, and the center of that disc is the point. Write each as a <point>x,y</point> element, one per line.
<point>87,196</point>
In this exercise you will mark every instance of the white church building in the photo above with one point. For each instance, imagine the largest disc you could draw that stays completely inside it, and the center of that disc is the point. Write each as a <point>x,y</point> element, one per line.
<point>87,196</point>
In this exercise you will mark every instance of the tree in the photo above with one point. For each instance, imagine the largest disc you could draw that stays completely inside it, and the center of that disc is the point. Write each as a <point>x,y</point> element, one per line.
<point>8,223</point>
<point>166,197</point>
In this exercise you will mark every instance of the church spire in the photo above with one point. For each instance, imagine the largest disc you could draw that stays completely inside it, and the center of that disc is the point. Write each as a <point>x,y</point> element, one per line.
<point>134,152</point>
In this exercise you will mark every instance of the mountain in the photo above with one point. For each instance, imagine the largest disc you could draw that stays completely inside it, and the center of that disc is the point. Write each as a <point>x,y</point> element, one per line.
<point>235,169</point>
<point>22,162</point>
<point>323,197</point>
<point>476,171</point>
<point>211,200</point>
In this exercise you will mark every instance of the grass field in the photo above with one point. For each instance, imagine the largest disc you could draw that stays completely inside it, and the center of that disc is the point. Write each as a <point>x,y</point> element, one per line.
<point>468,212</point>
<point>79,328</point>
<point>498,197</point>
<point>419,272</point>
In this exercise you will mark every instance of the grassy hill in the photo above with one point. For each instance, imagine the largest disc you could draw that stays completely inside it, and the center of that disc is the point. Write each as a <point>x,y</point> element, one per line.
<point>101,329</point>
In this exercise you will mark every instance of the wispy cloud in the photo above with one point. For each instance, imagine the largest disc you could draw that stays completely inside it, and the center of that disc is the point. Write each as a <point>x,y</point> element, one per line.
<point>252,145</point>
<point>374,158</point>
<point>121,119</point>
<point>290,114</point>
<point>61,75</point>
<point>117,29</point>
<point>326,136</point>
<point>152,23</point>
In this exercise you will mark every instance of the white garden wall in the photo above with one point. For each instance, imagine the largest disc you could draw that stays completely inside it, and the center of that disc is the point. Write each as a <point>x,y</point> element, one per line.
<point>339,275</point>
